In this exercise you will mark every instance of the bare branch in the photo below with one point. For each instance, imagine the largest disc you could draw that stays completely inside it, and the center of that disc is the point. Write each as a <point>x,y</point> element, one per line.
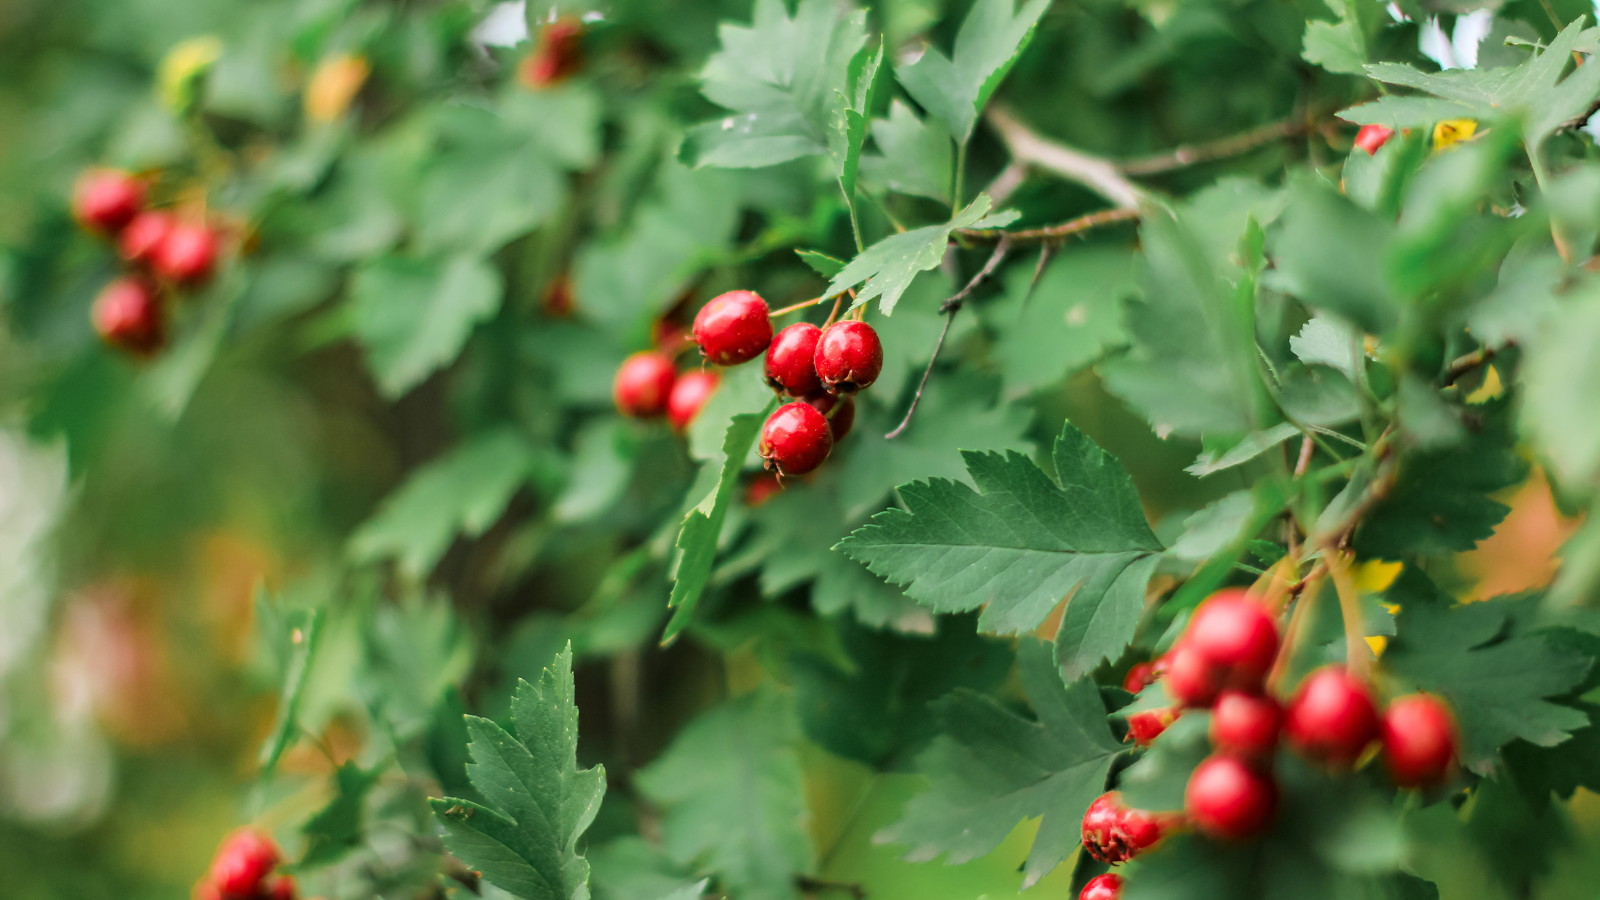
<point>1052,233</point>
<point>1097,174</point>
<point>1192,154</point>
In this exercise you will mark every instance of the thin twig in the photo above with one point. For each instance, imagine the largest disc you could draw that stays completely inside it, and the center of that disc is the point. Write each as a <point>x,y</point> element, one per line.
<point>917,397</point>
<point>1045,252</point>
<point>1093,172</point>
<point>995,258</point>
<point>1053,233</point>
<point>1304,462</point>
<point>1192,154</point>
<point>1464,364</point>
<point>1307,590</point>
<point>799,306</point>
<point>1357,660</point>
<point>1009,179</point>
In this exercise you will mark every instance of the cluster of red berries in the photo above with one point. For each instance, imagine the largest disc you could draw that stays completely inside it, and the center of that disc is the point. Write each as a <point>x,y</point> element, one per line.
<point>1221,663</point>
<point>242,870</point>
<point>821,368</point>
<point>161,250</point>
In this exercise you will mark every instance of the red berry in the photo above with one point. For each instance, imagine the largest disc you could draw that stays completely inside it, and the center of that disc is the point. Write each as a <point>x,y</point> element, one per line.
<point>761,489</point>
<point>187,254</point>
<point>644,384</point>
<point>205,890</point>
<point>1237,635</point>
<point>282,889</point>
<point>1371,137</point>
<point>244,861</point>
<point>1103,887</point>
<point>141,237</point>
<point>1142,675</point>
<point>128,314</point>
<point>789,365</point>
<point>689,393</point>
<point>839,410</point>
<point>1419,741</point>
<point>1147,725</point>
<point>1332,717</point>
<point>849,356</point>
<point>733,328</point>
<point>796,439</point>
<point>559,54</point>
<point>1246,724</point>
<point>1192,679</point>
<point>1228,799</point>
<point>104,200</point>
<point>1112,833</point>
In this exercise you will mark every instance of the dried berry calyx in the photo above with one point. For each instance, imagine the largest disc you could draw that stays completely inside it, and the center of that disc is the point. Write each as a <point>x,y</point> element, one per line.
<point>1113,833</point>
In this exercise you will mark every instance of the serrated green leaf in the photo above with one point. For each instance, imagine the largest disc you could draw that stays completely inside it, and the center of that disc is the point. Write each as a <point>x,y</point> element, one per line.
<point>1250,447</point>
<point>991,769</point>
<point>820,262</point>
<point>1329,342</point>
<point>1344,47</point>
<point>339,827</point>
<point>893,262</point>
<point>1561,376</point>
<point>1071,319</point>
<point>1216,527</point>
<point>538,801</point>
<point>1397,112</point>
<point>413,316</point>
<point>916,156</point>
<point>463,492</point>
<point>847,127</point>
<point>1560,769</point>
<point>295,634</point>
<point>730,789</point>
<point>1328,255</point>
<point>958,87</point>
<point>1021,544</point>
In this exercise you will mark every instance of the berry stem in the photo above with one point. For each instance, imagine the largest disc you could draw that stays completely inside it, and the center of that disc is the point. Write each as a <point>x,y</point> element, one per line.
<point>1356,659</point>
<point>837,303</point>
<point>799,306</point>
<point>1291,633</point>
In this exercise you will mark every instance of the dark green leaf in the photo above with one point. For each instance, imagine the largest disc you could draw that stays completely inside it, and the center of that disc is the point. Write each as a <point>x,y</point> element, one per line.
<point>339,827</point>
<point>294,634</point>
<point>958,87</point>
<point>414,315</point>
<point>1328,255</point>
<point>1072,318</point>
<point>916,156</point>
<point>893,262</point>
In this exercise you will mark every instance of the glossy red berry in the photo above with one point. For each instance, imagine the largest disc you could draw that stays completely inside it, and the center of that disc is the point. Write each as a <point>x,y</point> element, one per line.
<point>839,410</point>
<point>1237,635</point>
<point>1419,741</point>
<point>849,356</point>
<point>1371,137</point>
<point>1332,717</point>
<point>761,489</point>
<point>1113,833</point>
<point>1191,679</point>
<point>1146,725</point>
<point>243,863</point>
<point>1103,887</point>
<point>141,237</point>
<point>644,384</point>
<point>689,393</point>
<point>789,365</point>
<point>187,254</point>
<point>1142,675</point>
<point>128,314</point>
<point>1229,799</point>
<point>1246,724</point>
<point>796,439</point>
<point>282,889</point>
<point>104,200</point>
<point>733,328</point>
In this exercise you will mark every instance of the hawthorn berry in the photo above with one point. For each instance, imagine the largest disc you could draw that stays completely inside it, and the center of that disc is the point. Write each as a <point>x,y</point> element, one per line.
<point>689,393</point>
<point>1146,725</point>
<point>187,254</point>
<point>1371,137</point>
<point>1332,717</point>
<point>1235,634</point>
<point>761,489</point>
<point>1191,679</point>
<point>795,439</point>
<point>1229,799</point>
<point>848,357</point>
<point>1246,724</point>
<point>644,384</point>
<point>141,237</point>
<point>104,200</point>
<point>839,410</point>
<point>243,863</point>
<point>1139,677</point>
<point>733,328</point>
<point>282,889</point>
<point>1103,887</point>
<point>1113,833</point>
<point>789,366</point>
<point>1419,741</point>
<point>128,314</point>
<point>558,55</point>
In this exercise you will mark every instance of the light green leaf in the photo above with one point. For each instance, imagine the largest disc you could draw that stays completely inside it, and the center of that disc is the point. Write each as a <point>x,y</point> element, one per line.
<point>847,127</point>
<point>1330,254</point>
<point>414,315</point>
<point>1329,342</point>
<point>340,826</point>
<point>294,635</point>
<point>957,88</point>
<point>539,802</point>
<point>916,157</point>
<point>417,652</point>
<point>1561,375</point>
<point>1072,318</point>
<point>1397,112</point>
<point>893,262</point>
<point>1344,47</point>
<point>602,464</point>
<point>1252,446</point>
<point>1215,528</point>
<point>820,262</point>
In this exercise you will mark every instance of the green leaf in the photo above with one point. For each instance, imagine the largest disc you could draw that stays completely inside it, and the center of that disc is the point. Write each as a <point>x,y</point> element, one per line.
<point>1396,112</point>
<point>631,868</point>
<point>1022,543</point>
<point>603,458</point>
<point>1215,528</point>
<point>538,802</point>
<point>958,87</point>
<point>1344,47</point>
<point>1252,446</point>
<point>781,78</point>
<point>820,262</point>
<point>417,651</point>
<point>1157,781</point>
<point>916,157</point>
<point>1327,341</point>
<point>414,315</point>
<point>991,769</point>
<point>893,262</point>
<point>1329,255</point>
<point>339,827</point>
<point>702,528</point>
<point>730,790</point>
<point>1561,378</point>
<point>294,635</point>
<point>1560,769</point>
<point>847,128</point>
<point>1072,318</point>
<point>463,492</point>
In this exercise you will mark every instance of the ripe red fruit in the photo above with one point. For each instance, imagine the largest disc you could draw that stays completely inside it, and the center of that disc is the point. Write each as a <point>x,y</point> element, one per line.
<point>761,489</point>
<point>849,356</point>
<point>1246,724</point>
<point>733,328</point>
<point>141,237</point>
<point>1192,679</point>
<point>1332,717</point>
<point>1228,799</point>
<point>839,410</point>
<point>282,889</point>
<point>1419,741</point>
<point>1103,887</point>
<point>187,254</point>
<point>244,861</point>
<point>1371,137</point>
<point>559,54</point>
<point>1147,725</point>
<point>796,439</point>
<point>1113,833</point>
<point>644,384</point>
<point>128,314</point>
<point>789,365</point>
<point>1144,674</point>
<point>104,200</point>
<point>689,393</point>
<point>1235,634</point>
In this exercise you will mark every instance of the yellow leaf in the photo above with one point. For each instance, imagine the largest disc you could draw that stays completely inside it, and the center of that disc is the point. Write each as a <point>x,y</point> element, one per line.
<point>1451,132</point>
<point>333,85</point>
<point>183,67</point>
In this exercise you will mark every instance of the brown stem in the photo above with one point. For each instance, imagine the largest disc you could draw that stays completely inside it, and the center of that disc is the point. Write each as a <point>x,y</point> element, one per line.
<point>1304,462</point>
<point>1308,591</point>
<point>1192,154</point>
<point>1464,364</point>
<point>837,302</point>
<point>1093,172</point>
<point>917,397</point>
<point>1356,659</point>
<point>1052,233</point>
<point>799,306</point>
